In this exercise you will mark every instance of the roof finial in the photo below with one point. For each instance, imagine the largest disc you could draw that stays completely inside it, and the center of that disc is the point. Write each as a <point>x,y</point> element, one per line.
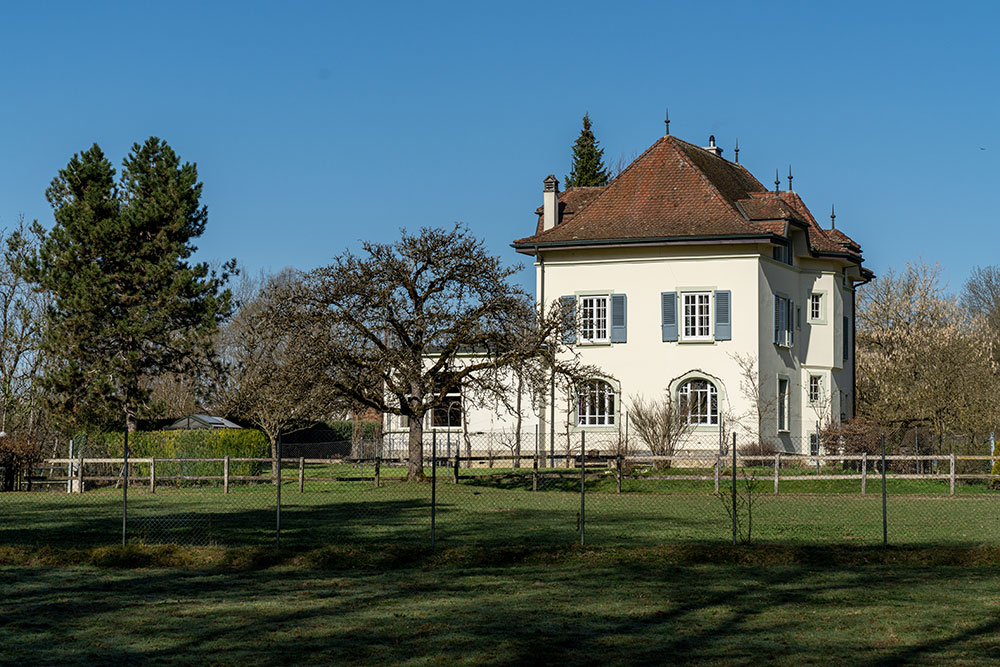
<point>789,178</point>
<point>666,120</point>
<point>833,217</point>
<point>737,150</point>
<point>777,182</point>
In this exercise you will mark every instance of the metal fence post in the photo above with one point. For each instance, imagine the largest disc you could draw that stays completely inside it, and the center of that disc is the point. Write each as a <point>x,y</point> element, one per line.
<point>277,513</point>
<point>583,482</point>
<point>734,488</point>
<point>885,518</point>
<point>125,488</point>
<point>458,462</point>
<point>378,470</point>
<point>433,486</point>
<point>718,465</point>
<point>621,458</point>
<point>302,474</point>
<point>534,465</point>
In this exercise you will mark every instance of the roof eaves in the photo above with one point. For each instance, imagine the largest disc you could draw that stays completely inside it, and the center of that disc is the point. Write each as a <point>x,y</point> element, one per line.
<point>659,240</point>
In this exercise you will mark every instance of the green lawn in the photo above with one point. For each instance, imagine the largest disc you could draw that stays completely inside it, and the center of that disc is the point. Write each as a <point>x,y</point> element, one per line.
<point>581,609</point>
<point>498,508</point>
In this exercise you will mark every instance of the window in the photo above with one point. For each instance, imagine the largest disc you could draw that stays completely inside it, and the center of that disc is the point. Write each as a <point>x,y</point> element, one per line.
<point>697,315</point>
<point>813,444</point>
<point>784,313</point>
<point>594,319</point>
<point>815,307</point>
<point>699,402</point>
<point>815,388</point>
<point>782,404</point>
<point>783,253</point>
<point>449,413</point>
<point>596,404</point>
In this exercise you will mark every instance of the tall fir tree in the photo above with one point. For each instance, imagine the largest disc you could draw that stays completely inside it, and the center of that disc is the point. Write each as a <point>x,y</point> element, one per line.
<point>127,305</point>
<point>588,160</point>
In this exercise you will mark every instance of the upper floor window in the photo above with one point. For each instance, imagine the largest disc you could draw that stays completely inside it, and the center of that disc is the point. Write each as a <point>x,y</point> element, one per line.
<point>815,307</point>
<point>697,315</point>
<point>784,315</point>
<point>783,253</point>
<point>699,402</point>
<point>815,388</point>
<point>594,319</point>
<point>595,404</point>
<point>449,412</point>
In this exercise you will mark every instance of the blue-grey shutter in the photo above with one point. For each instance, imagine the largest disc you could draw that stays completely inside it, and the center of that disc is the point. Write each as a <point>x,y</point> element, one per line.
<point>618,318</point>
<point>568,304</point>
<point>723,315</point>
<point>777,319</point>
<point>668,311</point>
<point>790,324</point>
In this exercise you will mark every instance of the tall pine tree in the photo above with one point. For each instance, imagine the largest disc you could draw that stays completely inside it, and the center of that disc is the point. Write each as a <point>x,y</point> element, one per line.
<point>588,160</point>
<point>127,304</point>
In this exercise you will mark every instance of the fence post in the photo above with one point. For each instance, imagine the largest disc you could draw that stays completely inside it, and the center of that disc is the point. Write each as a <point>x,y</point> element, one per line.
<point>534,465</point>
<point>277,513</point>
<point>434,465</point>
<point>302,474</point>
<point>583,482</point>
<point>777,466</point>
<point>378,471</point>
<point>885,518</point>
<point>734,488</point>
<point>718,464</point>
<point>621,458</point>
<point>458,461</point>
<point>864,473</point>
<point>152,474</point>
<point>125,488</point>
<point>225,474</point>
<point>79,476</point>
<point>951,475</point>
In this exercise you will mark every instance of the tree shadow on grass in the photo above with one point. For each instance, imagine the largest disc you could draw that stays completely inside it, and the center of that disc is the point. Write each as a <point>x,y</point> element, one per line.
<point>527,614</point>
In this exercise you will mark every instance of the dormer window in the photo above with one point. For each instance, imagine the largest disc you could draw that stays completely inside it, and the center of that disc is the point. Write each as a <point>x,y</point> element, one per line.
<point>783,253</point>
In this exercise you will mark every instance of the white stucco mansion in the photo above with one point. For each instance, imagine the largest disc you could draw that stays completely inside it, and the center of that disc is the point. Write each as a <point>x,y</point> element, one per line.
<point>681,264</point>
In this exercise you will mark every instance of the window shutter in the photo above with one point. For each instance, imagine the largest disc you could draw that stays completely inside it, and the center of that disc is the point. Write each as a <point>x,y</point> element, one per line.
<point>777,319</point>
<point>723,315</point>
<point>668,310</point>
<point>568,303</point>
<point>847,347</point>
<point>618,318</point>
<point>790,324</point>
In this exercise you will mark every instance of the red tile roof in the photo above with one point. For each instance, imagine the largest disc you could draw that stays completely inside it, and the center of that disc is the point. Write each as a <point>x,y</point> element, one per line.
<point>676,190</point>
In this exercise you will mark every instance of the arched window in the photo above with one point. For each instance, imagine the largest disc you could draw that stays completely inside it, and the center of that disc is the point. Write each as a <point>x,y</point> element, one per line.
<point>699,402</point>
<point>596,404</point>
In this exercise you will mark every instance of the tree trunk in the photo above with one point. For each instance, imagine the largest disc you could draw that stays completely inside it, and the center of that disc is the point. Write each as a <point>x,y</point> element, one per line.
<point>415,467</point>
<point>274,457</point>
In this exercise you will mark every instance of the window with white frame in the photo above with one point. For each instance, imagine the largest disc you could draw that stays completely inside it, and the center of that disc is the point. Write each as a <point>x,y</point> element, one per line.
<point>594,319</point>
<point>699,402</point>
<point>697,315</point>
<point>784,314</point>
<point>815,388</point>
<point>782,404</point>
<point>815,307</point>
<point>595,404</point>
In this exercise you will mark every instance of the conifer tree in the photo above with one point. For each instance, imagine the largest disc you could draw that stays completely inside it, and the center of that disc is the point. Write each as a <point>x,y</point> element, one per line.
<point>126,303</point>
<point>588,160</point>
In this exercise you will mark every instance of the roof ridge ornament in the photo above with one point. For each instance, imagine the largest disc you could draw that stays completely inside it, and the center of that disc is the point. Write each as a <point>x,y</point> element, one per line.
<point>736,151</point>
<point>666,120</point>
<point>833,217</point>
<point>777,181</point>
<point>789,178</point>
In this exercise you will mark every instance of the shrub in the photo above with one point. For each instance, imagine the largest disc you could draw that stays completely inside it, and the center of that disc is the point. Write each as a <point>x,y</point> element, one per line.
<point>17,454</point>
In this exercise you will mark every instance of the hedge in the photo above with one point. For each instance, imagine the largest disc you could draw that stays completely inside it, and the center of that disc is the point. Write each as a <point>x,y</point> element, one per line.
<point>208,444</point>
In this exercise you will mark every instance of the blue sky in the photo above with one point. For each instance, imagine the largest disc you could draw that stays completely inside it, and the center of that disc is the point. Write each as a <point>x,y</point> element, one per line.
<point>317,125</point>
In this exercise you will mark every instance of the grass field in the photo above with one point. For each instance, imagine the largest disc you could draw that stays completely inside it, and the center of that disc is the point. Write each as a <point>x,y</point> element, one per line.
<point>493,508</point>
<point>580,607</point>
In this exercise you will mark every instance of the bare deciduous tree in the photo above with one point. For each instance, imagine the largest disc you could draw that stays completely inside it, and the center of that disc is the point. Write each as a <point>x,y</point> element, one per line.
<point>660,423</point>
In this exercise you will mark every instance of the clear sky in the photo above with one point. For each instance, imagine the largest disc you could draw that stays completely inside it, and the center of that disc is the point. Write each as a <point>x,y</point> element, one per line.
<point>318,124</point>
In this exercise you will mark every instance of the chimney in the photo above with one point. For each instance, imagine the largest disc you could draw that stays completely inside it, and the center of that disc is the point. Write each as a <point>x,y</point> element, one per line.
<point>712,148</point>
<point>550,203</point>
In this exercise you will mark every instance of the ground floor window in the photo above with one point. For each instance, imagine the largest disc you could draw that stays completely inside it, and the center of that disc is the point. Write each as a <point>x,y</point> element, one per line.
<point>596,404</point>
<point>448,414</point>
<point>782,404</point>
<point>699,402</point>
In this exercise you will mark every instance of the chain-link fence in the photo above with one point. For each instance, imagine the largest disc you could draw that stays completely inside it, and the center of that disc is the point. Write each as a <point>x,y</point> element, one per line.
<point>503,489</point>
